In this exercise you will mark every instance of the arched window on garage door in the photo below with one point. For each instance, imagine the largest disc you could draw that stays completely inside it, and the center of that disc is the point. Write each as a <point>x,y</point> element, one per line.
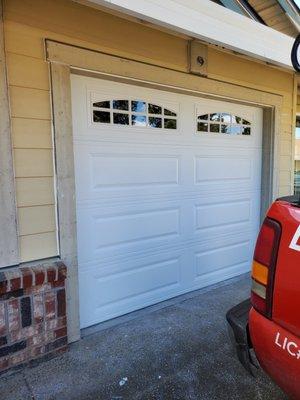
<point>134,113</point>
<point>223,123</point>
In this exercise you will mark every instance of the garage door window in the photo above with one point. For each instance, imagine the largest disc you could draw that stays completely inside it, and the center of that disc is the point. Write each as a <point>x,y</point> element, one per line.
<point>134,113</point>
<point>223,123</point>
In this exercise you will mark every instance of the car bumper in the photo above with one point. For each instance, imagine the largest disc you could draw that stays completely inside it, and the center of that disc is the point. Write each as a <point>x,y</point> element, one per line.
<point>237,319</point>
<point>278,352</point>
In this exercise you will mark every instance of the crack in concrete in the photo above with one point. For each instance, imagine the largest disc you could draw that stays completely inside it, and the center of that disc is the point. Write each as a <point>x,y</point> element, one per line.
<point>28,386</point>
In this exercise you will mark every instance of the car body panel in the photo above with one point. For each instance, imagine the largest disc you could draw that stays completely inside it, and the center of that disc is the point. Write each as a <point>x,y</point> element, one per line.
<point>275,336</point>
<point>286,293</point>
<point>276,340</point>
<point>277,351</point>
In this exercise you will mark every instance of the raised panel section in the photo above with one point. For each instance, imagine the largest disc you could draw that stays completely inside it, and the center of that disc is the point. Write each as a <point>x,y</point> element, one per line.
<point>225,257</point>
<point>154,276</point>
<point>217,215</point>
<point>119,170</point>
<point>132,228</point>
<point>143,285</point>
<point>222,168</point>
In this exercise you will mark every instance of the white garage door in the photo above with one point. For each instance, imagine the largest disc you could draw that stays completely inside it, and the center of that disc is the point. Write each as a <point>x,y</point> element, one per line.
<point>167,192</point>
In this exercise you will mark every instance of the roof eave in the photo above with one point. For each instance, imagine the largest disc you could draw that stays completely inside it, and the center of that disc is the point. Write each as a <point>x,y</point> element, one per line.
<point>210,22</point>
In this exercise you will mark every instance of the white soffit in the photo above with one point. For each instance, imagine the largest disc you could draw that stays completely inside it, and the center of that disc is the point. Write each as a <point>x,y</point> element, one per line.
<point>205,20</point>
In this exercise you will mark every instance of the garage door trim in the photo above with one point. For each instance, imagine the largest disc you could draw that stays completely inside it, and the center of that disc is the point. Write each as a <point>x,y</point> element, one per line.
<point>63,58</point>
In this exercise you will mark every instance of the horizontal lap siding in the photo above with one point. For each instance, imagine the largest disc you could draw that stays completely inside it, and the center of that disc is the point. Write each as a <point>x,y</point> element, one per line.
<point>27,24</point>
<point>29,89</point>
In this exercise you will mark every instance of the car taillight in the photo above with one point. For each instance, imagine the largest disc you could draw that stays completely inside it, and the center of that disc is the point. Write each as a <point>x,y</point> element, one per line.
<point>264,264</point>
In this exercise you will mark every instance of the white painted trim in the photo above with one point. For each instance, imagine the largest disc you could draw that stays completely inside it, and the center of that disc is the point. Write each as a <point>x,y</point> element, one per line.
<point>205,20</point>
<point>64,156</point>
<point>9,247</point>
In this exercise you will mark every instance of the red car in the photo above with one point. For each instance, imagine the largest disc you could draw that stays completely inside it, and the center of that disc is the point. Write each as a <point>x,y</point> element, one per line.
<point>267,326</point>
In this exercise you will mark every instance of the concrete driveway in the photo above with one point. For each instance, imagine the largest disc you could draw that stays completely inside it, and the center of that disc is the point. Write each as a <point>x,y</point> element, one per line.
<point>176,352</point>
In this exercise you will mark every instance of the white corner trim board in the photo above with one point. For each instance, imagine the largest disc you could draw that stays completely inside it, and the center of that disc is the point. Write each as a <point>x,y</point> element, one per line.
<point>205,20</point>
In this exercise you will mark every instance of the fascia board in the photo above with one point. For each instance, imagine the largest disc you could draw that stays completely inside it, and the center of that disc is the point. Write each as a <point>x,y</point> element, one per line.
<point>210,22</point>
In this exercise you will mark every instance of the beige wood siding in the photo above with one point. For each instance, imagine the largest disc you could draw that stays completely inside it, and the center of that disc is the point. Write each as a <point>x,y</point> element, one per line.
<point>27,24</point>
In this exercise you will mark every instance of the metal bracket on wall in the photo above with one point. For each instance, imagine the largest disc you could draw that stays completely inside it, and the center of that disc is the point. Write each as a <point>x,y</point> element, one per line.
<point>197,58</point>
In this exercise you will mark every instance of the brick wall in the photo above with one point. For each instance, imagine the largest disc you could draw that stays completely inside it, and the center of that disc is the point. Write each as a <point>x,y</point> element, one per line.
<point>32,313</point>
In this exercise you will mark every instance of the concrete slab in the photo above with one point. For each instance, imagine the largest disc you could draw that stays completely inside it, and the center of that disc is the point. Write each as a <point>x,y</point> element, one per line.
<point>14,387</point>
<point>178,352</point>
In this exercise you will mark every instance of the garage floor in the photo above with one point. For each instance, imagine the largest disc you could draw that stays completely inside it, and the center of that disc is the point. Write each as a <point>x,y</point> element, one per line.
<point>176,352</point>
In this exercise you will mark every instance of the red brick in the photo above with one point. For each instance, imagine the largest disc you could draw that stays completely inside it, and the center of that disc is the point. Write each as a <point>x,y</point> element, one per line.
<point>57,323</point>
<point>38,329</point>
<point>37,289</point>
<point>16,336</point>
<point>35,340</point>
<point>39,276</point>
<point>2,319</point>
<point>26,333</point>
<point>36,351</point>
<point>15,284</point>
<point>61,322</point>
<point>4,363</point>
<point>60,332</point>
<point>61,303</point>
<point>38,308</point>
<point>49,305</point>
<point>51,275</point>
<point>62,269</point>
<point>19,357</point>
<point>13,310</point>
<point>62,274</point>
<point>46,331</point>
<point>51,325</point>
<point>48,336</point>
<point>3,287</point>
<point>27,277</point>
<point>58,284</point>
<point>40,339</point>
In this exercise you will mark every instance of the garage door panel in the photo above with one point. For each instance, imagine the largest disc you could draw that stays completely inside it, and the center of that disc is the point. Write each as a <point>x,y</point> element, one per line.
<point>109,258</point>
<point>221,258</point>
<point>139,226</point>
<point>172,174</point>
<point>123,170</point>
<point>142,285</point>
<point>221,168</point>
<point>225,236</point>
<point>220,214</point>
<point>153,276</point>
<point>161,209</point>
<point>128,229</point>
